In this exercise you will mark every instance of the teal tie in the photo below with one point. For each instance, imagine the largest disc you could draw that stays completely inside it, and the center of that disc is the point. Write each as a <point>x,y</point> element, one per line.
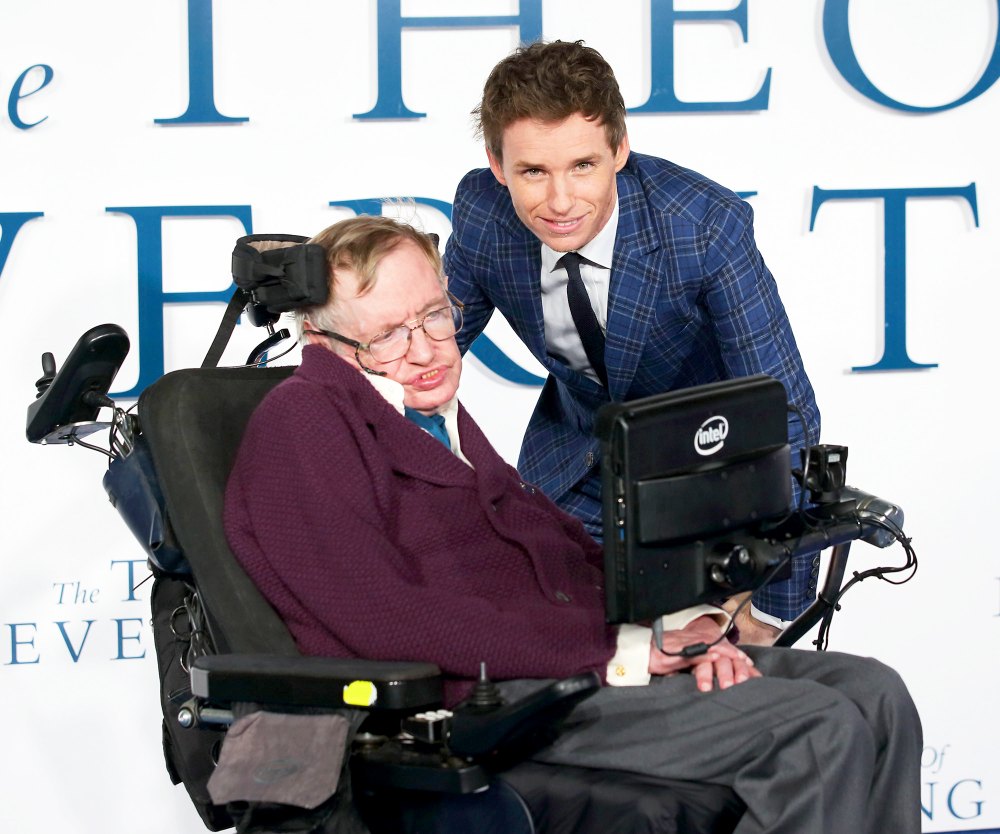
<point>433,425</point>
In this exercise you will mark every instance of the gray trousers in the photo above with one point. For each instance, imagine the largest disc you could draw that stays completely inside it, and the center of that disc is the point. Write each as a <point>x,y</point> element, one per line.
<point>823,743</point>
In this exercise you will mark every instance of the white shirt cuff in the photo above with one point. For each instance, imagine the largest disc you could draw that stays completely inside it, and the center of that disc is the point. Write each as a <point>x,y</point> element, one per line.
<point>679,619</point>
<point>630,664</point>
<point>770,619</point>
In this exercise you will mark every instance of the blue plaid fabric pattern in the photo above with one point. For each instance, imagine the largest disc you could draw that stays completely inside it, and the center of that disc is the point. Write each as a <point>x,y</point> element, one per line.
<point>691,301</point>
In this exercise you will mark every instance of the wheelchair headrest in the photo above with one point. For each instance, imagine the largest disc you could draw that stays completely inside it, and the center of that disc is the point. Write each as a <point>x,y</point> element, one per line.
<point>281,272</point>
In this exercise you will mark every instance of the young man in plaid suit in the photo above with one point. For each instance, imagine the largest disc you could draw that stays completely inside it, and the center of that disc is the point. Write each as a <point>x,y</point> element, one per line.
<point>678,293</point>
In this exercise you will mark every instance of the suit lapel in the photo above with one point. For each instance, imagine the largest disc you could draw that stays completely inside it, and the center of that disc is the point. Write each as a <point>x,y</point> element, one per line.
<point>518,293</point>
<point>635,285</point>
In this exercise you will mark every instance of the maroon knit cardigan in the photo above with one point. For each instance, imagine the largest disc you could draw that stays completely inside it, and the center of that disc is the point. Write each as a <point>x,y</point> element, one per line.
<point>371,539</point>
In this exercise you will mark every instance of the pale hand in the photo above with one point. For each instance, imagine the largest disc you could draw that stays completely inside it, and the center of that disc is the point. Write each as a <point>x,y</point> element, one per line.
<point>723,663</point>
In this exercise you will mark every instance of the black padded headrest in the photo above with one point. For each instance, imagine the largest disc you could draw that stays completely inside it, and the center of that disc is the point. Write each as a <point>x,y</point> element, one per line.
<point>283,277</point>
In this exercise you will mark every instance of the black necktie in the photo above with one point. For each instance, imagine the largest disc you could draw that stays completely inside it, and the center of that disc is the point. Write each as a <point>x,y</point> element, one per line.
<point>583,315</point>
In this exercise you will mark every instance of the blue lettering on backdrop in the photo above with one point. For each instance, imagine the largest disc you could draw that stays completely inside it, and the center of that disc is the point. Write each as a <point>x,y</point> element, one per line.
<point>152,298</point>
<point>10,224</point>
<point>74,652</point>
<point>959,802</point>
<point>122,637</point>
<point>484,348</point>
<point>24,652</point>
<point>77,593</point>
<point>201,71</point>
<point>894,355</point>
<point>974,806</point>
<point>16,94</point>
<point>16,641</point>
<point>662,98</point>
<point>131,584</point>
<point>76,633</point>
<point>391,23</point>
<point>837,34</point>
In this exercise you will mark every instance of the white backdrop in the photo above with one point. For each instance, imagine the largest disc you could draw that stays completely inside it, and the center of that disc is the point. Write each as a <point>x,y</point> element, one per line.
<point>83,152</point>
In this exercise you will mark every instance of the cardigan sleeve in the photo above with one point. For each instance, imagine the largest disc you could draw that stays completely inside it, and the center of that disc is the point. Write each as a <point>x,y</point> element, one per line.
<point>304,515</point>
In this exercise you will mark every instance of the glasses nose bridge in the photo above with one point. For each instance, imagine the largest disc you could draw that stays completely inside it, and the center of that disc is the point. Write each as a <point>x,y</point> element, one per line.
<point>411,326</point>
<point>420,346</point>
<point>416,324</point>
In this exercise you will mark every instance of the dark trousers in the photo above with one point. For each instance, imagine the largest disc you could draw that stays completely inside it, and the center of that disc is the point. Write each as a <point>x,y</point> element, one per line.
<point>824,743</point>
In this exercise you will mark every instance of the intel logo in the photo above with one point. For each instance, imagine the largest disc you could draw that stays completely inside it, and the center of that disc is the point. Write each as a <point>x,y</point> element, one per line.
<point>711,435</point>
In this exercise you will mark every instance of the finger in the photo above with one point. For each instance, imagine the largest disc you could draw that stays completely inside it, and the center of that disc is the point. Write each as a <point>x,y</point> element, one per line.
<point>729,651</point>
<point>747,671</point>
<point>744,669</point>
<point>703,673</point>
<point>725,673</point>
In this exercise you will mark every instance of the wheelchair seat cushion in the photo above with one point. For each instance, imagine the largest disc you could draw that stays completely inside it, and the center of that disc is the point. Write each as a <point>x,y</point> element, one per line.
<point>577,800</point>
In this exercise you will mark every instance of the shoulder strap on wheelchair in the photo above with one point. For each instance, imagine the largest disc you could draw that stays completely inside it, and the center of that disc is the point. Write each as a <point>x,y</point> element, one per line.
<point>273,274</point>
<point>226,327</point>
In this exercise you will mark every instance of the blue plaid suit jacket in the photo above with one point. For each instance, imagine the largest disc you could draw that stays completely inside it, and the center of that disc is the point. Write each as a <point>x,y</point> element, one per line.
<point>691,301</point>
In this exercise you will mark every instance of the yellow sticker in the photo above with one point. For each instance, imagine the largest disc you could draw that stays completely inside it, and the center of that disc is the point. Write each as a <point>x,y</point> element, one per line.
<point>360,694</point>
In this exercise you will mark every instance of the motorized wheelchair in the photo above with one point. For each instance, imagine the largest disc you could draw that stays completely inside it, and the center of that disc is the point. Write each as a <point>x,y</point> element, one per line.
<point>224,656</point>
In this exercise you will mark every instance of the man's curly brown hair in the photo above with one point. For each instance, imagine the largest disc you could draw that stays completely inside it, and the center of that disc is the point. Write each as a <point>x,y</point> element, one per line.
<point>550,82</point>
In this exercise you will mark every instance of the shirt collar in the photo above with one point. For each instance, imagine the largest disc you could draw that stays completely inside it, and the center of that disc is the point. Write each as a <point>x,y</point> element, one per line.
<point>599,251</point>
<point>392,393</point>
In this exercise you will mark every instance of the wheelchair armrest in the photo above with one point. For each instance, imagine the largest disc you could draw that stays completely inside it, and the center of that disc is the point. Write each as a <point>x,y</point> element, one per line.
<point>419,762</point>
<point>316,682</point>
<point>474,733</point>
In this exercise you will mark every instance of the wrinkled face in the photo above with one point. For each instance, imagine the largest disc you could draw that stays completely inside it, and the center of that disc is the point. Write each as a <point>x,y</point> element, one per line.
<point>406,288</point>
<point>561,178</point>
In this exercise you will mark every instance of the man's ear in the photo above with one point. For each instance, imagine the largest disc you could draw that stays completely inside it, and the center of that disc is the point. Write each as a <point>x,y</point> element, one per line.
<point>496,166</point>
<point>309,338</point>
<point>621,155</point>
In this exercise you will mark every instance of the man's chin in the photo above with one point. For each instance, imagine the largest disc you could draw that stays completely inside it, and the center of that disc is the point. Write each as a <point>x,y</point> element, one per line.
<point>563,243</point>
<point>430,402</point>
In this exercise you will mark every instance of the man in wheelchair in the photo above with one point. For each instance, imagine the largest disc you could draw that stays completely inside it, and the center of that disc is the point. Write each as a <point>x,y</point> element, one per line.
<point>377,520</point>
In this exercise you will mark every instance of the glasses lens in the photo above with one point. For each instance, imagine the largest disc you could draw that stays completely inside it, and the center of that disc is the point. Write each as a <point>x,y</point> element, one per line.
<point>437,324</point>
<point>391,345</point>
<point>444,323</point>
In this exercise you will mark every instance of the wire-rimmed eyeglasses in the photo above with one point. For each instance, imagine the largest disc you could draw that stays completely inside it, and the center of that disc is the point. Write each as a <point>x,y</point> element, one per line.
<point>390,345</point>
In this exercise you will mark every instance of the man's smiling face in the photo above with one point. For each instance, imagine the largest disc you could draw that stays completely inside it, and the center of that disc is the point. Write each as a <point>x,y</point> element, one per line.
<point>561,177</point>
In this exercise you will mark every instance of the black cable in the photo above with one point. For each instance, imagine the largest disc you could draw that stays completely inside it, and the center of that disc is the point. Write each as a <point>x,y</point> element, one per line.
<point>823,636</point>
<point>807,444</point>
<point>263,362</point>
<point>120,417</point>
<point>697,649</point>
<point>76,441</point>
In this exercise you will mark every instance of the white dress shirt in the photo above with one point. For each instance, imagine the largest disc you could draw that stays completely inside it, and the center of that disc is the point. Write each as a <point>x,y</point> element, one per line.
<point>561,336</point>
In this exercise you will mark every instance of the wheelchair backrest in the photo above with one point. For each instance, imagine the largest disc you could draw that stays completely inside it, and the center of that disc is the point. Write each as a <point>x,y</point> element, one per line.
<point>194,420</point>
